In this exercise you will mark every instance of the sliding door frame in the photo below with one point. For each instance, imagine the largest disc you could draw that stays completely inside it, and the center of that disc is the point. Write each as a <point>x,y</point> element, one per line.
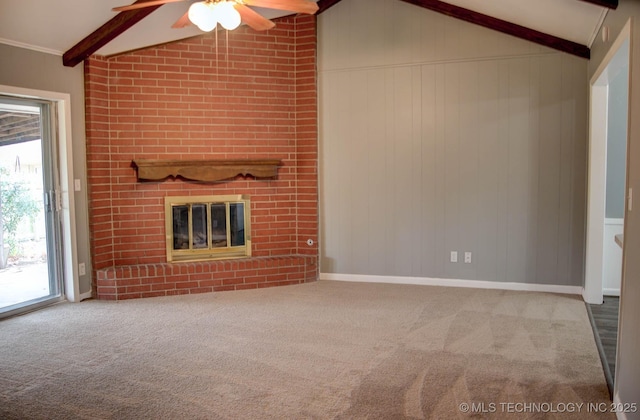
<point>66,199</point>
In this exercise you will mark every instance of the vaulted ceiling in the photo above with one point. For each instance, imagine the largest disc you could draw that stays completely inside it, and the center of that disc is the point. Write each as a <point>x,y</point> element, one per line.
<point>79,28</point>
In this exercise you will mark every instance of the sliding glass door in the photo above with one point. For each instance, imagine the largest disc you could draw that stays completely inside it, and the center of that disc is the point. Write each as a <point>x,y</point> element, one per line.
<point>30,262</point>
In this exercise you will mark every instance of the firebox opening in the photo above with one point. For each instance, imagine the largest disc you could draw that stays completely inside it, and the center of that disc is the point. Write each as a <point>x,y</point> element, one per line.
<point>207,227</point>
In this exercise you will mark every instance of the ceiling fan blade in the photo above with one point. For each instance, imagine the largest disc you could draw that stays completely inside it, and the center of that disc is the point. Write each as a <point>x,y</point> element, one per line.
<point>182,22</point>
<point>253,18</point>
<point>141,5</point>
<point>299,6</point>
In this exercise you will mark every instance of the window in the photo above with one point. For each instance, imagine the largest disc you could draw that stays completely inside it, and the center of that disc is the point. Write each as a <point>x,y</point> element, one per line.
<point>207,228</point>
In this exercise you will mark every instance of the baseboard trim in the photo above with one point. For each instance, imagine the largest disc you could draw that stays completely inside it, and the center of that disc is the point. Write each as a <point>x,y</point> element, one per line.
<point>611,292</point>
<point>477,284</point>
<point>84,296</point>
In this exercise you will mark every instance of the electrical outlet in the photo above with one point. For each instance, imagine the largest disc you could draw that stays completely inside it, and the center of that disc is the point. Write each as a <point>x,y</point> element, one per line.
<point>82,269</point>
<point>454,256</point>
<point>467,257</point>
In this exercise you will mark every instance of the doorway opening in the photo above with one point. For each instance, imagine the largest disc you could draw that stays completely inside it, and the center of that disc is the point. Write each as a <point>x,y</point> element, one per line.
<point>608,197</point>
<point>30,240</point>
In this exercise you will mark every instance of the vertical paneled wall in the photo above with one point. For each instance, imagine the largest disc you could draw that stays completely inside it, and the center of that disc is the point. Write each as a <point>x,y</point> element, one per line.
<point>437,135</point>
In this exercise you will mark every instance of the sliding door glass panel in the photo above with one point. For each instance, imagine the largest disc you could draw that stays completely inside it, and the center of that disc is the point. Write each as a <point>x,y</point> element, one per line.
<point>30,265</point>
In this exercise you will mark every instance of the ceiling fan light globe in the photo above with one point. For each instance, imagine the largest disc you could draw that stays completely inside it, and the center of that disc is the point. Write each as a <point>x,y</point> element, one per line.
<point>197,12</point>
<point>209,19</point>
<point>208,25</point>
<point>228,16</point>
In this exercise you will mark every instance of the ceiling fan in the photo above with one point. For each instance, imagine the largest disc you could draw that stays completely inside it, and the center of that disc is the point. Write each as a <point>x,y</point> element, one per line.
<point>207,14</point>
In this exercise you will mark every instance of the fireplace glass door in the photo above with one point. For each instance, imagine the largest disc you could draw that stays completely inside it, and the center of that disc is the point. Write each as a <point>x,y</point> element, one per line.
<point>201,228</point>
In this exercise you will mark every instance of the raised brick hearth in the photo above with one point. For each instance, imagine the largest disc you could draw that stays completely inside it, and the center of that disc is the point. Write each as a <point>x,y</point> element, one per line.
<point>148,280</point>
<point>253,98</point>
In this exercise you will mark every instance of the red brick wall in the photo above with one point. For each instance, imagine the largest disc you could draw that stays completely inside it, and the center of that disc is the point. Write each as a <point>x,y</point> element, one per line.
<point>254,97</point>
<point>306,136</point>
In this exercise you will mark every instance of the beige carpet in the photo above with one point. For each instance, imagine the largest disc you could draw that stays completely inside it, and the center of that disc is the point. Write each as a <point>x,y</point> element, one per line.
<point>323,350</point>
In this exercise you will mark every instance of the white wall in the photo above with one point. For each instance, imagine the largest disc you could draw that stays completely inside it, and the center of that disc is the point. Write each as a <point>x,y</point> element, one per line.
<point>437,135</point>
<point>612,257</point>
<point>617,143</point>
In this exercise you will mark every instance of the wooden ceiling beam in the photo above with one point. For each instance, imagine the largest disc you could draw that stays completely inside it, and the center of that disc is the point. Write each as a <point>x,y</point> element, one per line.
<point>611,4</point>
<point>124,20</point>
<point>325,4</point>
<point>12,115</point>
<point>20,131</point>
<point>104,34</point>
<point>8,131</point>
<point>18,127</point>
<point>503,26</point>
<point>27,127</point>
<point>10,120</point>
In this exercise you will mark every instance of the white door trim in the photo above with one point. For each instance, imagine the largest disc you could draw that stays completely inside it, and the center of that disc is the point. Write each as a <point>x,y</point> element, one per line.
<point>599,87</point>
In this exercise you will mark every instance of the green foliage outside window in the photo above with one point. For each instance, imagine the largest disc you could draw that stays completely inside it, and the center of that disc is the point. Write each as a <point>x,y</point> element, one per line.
<point>16,205</point>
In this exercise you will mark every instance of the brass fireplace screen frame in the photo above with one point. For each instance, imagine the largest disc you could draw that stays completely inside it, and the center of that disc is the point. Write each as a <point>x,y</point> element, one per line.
<point>194,231</point>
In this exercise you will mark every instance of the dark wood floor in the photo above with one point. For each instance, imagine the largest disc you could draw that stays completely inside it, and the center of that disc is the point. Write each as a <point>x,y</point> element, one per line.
<point>604,320</point>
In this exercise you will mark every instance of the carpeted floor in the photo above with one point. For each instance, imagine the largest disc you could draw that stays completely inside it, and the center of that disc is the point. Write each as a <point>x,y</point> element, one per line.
<point>324,350</point>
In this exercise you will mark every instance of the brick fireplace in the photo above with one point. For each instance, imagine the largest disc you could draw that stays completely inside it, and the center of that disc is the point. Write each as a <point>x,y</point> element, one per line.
<point>251,97</point>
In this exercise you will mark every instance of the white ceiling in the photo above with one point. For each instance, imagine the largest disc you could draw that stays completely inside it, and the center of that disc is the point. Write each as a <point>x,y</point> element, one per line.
<point>56,26</point>
<point>573,20</point>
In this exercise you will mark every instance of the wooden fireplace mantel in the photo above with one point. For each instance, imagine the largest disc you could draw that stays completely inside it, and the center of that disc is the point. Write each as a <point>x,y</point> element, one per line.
<point>205,170</point>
